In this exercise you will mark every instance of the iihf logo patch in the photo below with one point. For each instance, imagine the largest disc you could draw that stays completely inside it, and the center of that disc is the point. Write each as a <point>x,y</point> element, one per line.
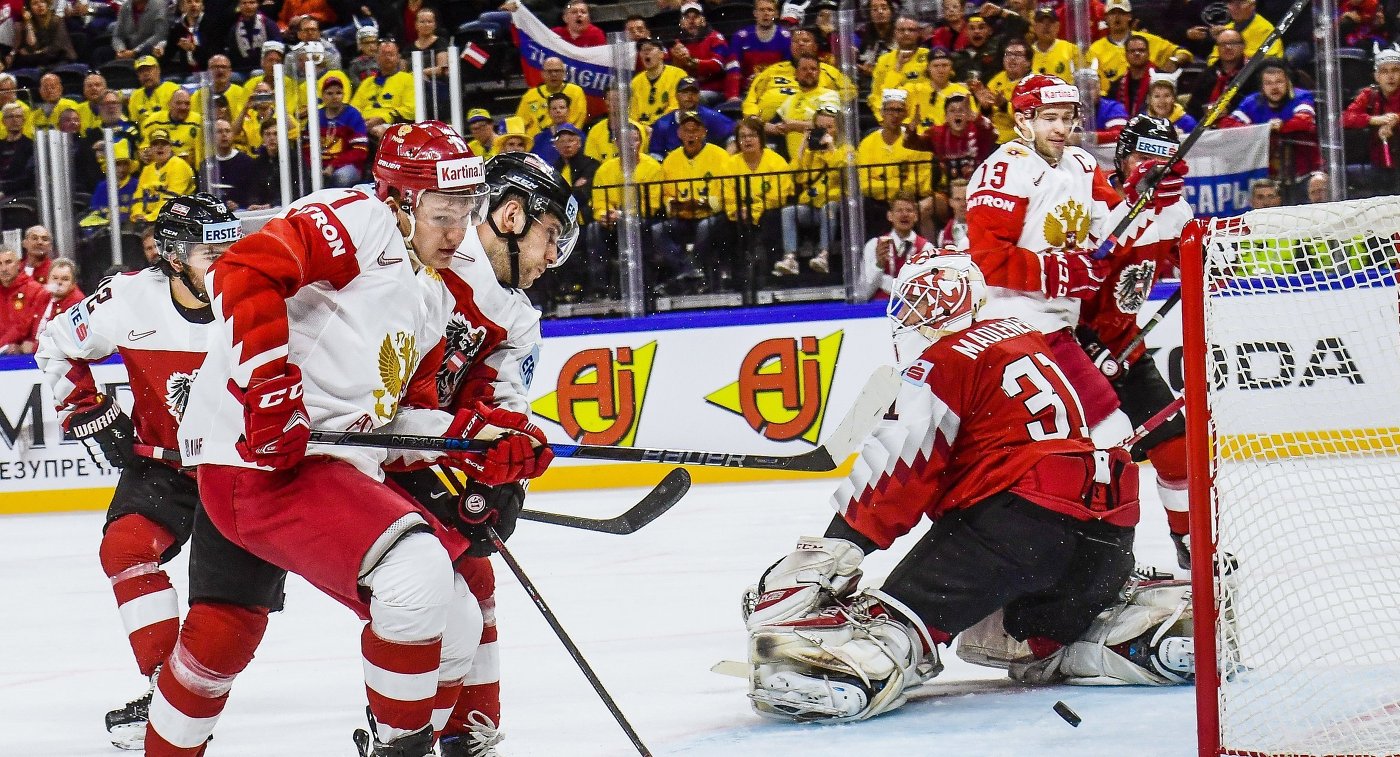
<point>474,504</point>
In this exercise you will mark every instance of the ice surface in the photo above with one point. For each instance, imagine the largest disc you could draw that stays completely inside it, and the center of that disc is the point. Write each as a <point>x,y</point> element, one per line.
<point>652,612</point>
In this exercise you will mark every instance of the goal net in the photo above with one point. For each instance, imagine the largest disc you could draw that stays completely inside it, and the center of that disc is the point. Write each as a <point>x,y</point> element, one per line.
<point>1295,413</point>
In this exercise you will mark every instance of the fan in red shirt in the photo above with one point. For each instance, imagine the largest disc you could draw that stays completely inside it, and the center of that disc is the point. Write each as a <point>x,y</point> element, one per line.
<point>22,303</point>
<point>961,143</point>
<point>704,53</point>
<point>1031,538</point>
<point>578,28</point>
<point>1377,108</point>
<point>63,292</point>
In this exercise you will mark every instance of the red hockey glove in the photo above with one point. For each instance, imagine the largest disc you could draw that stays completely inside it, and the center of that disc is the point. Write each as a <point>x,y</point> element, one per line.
<point>1071,274</point>
<point>518,451</point>
<point>1168,189</point>
<point>276,426</point>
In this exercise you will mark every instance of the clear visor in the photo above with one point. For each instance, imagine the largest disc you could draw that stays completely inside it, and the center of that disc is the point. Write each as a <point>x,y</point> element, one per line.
<point>465,209</point>
<point>566,235</point>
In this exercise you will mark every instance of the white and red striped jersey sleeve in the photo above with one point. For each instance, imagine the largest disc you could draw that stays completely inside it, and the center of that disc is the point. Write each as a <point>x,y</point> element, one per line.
<point>68,344</point>
<point>899,469</point>
<point>323,240</point>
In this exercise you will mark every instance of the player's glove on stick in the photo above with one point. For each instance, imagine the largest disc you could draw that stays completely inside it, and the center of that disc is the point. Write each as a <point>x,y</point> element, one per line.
<point>105,430</point>
<point>1071,274</point>
<point>519,450</point>
<point>276,426</point>
<point>482,506</point>
<point>1168,189</point>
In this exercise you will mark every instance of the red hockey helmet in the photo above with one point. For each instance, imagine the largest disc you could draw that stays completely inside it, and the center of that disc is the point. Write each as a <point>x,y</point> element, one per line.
<point>1038,90</point>
<point>429,156</point>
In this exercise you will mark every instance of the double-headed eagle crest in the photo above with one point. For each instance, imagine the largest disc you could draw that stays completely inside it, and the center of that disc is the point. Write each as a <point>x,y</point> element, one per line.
<point>1067,226</point>
<point>398,354</point>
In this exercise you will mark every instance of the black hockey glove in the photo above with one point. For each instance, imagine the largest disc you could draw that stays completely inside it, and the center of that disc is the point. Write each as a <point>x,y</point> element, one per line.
<point>107,430</point>
<point>1100,354</point>
<point>482,506</point>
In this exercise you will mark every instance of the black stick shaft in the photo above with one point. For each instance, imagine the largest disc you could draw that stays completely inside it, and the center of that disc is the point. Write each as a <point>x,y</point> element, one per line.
<point>568,642</point>
<point>1152,322</point>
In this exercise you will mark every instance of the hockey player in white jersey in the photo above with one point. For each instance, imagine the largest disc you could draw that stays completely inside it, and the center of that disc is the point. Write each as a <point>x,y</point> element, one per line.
<point>158,319</point>
<point>1034,210</point>
<point>492,347</point>
<point>1109,320</point>
<point>322,322</point>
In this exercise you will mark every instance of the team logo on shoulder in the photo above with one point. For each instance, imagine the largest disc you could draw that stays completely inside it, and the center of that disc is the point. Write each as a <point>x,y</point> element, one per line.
<point>464,341</point>
<point>398,354</point>
<point>1134,284</point>
<point>1067,226</point>
<point>177,392</point>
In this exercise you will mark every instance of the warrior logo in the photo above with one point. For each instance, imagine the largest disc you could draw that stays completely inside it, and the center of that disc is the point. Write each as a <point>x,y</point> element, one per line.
<point>1067,226</point>
<point>1134,284</point>
<point>398,353</point>
<point>177,392</point>
<point>463,343</point>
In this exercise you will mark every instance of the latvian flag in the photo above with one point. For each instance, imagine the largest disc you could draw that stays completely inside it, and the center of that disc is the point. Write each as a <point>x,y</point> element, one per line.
<point>475,55</point>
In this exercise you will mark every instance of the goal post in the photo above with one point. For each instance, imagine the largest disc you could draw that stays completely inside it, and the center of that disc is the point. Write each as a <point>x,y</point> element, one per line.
<point>1292,363</point>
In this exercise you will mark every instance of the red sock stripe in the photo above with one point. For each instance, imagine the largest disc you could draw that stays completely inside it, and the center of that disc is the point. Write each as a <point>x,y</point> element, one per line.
<point>152,644</point>
<point>443,702</point>
<point>159,747</point>
<point>181,696</point>
<point>398,657</point>
<point>484,698</point>
<point>1179,523</point>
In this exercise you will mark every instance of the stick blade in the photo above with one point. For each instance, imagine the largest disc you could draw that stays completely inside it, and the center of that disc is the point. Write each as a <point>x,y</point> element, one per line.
<point>661,498</point>
<point>878,394</point>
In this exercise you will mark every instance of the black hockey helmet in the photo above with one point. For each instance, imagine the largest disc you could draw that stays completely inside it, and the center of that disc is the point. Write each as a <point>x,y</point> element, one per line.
<point>188,221</point>
<point>541,190</point>
<point>191,220</point>
<point>1150,135</point>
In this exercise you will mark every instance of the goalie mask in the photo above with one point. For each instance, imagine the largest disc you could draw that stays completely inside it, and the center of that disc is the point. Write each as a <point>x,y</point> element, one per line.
<point>1148,135</point>
<point>187,224</point>
<point>934,296</point>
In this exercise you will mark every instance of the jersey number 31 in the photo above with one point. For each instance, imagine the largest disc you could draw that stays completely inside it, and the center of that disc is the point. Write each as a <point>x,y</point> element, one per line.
<point>1045,392</point>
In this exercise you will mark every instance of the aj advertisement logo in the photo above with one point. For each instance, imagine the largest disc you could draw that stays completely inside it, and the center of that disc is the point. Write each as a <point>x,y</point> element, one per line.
<point>600,394</point>
<point>783,387</point>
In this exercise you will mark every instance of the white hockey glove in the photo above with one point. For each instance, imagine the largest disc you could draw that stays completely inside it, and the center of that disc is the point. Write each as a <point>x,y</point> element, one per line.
<point>844,663</point>
<point>1144,641</point>
<point>818,570</point>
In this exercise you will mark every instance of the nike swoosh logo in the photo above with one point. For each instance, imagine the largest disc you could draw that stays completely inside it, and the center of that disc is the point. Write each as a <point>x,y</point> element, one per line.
<point>439,495</point>
<point>1037,180</point>
<point>133,336</point>
<point>387,261</point>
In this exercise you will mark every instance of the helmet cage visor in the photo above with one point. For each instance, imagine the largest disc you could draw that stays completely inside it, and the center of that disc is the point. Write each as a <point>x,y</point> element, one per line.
<point>940,300</point>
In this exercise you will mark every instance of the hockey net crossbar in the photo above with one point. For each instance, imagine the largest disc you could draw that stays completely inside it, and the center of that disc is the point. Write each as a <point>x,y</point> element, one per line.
<point>1292,344</point>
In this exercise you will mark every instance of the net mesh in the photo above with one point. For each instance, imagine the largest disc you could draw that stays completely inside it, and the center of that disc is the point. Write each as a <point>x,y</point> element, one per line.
<point>1304,370</point>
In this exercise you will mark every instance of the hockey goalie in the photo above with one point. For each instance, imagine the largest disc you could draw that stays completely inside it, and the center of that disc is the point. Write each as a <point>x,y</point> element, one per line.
<point>1029,558</point>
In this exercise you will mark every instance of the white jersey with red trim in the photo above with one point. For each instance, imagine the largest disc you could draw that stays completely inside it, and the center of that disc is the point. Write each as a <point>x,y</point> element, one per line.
<point>493,336</point>
<point>1018,205</point>
<point>328,286</point>
<point>162,347</point>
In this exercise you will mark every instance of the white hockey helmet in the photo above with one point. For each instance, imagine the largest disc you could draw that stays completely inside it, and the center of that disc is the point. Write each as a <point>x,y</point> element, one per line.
<point>934,295</point>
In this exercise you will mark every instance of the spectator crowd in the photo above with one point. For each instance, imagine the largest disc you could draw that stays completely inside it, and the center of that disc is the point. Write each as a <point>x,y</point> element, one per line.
<point>747,135</point>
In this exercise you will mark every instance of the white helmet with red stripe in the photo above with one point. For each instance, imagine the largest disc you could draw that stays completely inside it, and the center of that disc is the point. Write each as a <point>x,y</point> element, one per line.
<point>935,294</point>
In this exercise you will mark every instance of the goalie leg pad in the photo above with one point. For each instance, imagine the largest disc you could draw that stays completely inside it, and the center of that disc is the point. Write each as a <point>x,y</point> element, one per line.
<point>1144,640</point>
<point>815,571</point>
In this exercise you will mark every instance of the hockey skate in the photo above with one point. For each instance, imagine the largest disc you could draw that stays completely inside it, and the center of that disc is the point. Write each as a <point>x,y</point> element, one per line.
<point>479,741</point>
<point>416,744</point>
<point>126,726</point>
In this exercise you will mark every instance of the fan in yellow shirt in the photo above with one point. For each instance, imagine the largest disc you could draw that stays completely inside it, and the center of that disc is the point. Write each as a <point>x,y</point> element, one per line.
<point>153,94</point>
<point>8,96</point>
<point>794,116</point>
<point>534,104</point>
<point>995,97</point>
<point>654,88</point>
<point>761,100</point>
<point>905,64</point>
<point>51,104</point>
<point>1107,52</point>
<point>388,98</point>
<point>1253,27</point>
<point>236,95</point>
<point>601,144</point>
<point>691,201</point>
<point>928,97</point>
<point>164,177</point>
<point>1051,55</point>
<point>600,237</point>
<point>482,129</point>
<point>182,129</point>
<point>273,53</point>
<point>887,167</point>
<point>755,185</point>
<point>818,169</point>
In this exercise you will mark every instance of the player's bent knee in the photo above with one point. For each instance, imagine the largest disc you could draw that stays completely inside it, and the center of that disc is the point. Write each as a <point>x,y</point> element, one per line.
<point>462,635</point>
<point>410,589</point>
<point>132,540</point>
<point>217,641</point>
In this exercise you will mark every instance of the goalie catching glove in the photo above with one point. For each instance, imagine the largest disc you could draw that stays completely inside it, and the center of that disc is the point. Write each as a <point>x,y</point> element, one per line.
<point>106,431</point>
<point>519,450</point>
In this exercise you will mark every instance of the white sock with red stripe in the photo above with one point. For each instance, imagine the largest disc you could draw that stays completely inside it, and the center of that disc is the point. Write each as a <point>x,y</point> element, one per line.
<point>481,691</point>
<point>148,604</point>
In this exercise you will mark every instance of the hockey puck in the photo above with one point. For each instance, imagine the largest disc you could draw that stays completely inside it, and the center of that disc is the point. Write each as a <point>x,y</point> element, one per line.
<point>1069,715</point>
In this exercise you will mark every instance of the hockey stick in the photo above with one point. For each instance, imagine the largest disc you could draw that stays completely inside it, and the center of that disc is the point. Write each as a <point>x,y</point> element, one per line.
<point>869,407</point>
<point>1151,424</point>
<point>1157,317</point>
<point>657,501</point>
<point>568,642</point>
<point>1216,112</point>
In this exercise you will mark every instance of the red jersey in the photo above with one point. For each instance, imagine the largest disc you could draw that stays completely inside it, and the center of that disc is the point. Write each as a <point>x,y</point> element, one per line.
<point>716,69</point>
<point>1149,249</point>
<point>39,272</point>
<point>22,303</point>
<point>1371,102</point>
<point>960,152</point>
<point>981,412</point>
<point>592,36</point>
<point>161,344</point>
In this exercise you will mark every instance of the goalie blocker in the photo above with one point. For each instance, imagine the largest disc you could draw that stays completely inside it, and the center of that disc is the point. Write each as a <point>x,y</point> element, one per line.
<point>1032,526</point>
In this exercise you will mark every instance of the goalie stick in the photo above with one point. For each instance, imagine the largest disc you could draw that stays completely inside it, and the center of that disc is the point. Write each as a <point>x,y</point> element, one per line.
<point>657,501</point>
<point>661,498</point>
<point>869,407</point>
<point>1215,113</point>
